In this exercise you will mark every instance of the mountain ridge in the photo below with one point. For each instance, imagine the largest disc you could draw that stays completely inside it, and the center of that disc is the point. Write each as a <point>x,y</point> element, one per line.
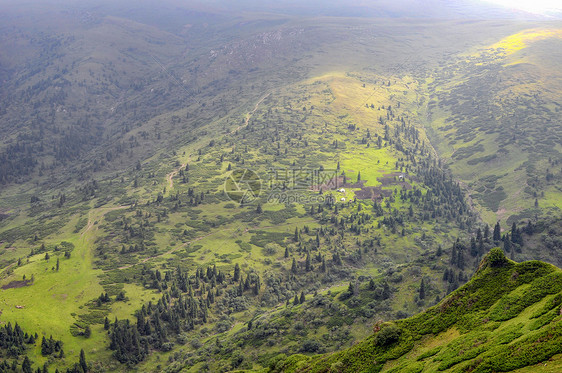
<point>500,293</point>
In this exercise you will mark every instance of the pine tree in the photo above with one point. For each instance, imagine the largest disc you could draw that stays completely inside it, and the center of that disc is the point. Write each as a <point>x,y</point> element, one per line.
<point>473,247</point>
<point>386,290</point>
<point>454,255</point>
<point>26,365</point>
<point>257,286</point>
<point>351,288</point>
<point>83,363</point>
<point>422,289</point>
<point>516,235</point>
<point>236,276</point>
<point>58,264</point>
<point>296,300</point>
<point>507,243</point>
<point>497,232</point>
<point>303,298</point>
<point>294,266</point>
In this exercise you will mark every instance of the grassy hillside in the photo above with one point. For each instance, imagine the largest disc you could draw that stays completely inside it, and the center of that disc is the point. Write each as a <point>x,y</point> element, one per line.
<point>177,218</point>
<point>122,133</point>
<point>506,318</point>
<point>494,117</point>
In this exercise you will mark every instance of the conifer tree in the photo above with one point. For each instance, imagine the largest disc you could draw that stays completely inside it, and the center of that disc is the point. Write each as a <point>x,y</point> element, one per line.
<point>26,365</point>
<point>497,232</point>
<point>236,276</point>
<point>83,363</point>
<point>422,289</point>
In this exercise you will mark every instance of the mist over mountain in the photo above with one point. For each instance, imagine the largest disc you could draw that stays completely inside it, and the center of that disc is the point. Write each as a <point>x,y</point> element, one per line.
<point>279,186</point>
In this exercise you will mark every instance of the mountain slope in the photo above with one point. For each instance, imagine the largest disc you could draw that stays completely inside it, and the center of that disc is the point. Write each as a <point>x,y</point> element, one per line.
<point>494,117</point>
<point>507,317</point>
<point>120,132</point>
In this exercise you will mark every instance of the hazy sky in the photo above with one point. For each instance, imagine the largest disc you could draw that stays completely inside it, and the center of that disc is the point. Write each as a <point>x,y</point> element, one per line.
<point>533,6</point>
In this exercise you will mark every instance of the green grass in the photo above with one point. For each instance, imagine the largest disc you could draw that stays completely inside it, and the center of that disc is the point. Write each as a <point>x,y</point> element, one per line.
<point>479,142</point>
<point>212,125</point>
<point>56,299</point>
<point>512,345</point>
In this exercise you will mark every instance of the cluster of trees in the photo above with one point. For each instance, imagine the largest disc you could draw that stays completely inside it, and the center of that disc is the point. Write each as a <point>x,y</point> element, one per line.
<point>348,234</point>
<point>464,255</point>
<point>186,302</point>
<point>50,346</point>
<point>14,342</point>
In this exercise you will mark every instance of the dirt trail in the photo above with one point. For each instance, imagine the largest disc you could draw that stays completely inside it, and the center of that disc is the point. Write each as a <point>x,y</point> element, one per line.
<point>170,176</point>
<point>91,221</point>
<point>249,115</point>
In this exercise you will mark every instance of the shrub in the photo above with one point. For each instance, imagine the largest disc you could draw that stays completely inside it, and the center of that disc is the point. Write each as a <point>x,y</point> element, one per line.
<point>196,343</point>
<point>387,335</point>
<point>310,345</point>
<point>496,257</point>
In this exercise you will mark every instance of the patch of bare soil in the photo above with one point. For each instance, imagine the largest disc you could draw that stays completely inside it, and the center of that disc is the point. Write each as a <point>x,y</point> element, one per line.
<point>372,193</point>
<point>394,179</point>
<point>16,284</point>
<point>365,192</point>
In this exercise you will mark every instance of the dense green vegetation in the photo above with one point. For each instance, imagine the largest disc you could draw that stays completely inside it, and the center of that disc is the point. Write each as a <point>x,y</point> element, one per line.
<point>378,184</point>
<point>507,317</point>
<point>506,148</point>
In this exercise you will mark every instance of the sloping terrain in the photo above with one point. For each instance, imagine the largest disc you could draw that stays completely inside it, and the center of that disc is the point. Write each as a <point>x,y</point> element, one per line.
<point>494,116</point>
<point>205,190</point>
<point>507,317</point>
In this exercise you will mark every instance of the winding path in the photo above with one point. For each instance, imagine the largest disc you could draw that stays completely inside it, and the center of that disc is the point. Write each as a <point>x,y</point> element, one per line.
<point>249,115</point>
<point>92,221</point>
<point>171,175</point>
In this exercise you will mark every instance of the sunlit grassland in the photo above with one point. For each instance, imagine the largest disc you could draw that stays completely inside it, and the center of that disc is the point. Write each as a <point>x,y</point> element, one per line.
<point>55,298</point>
<point>217,245</point>
<point>520,40</point>
<point>477,157</point>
